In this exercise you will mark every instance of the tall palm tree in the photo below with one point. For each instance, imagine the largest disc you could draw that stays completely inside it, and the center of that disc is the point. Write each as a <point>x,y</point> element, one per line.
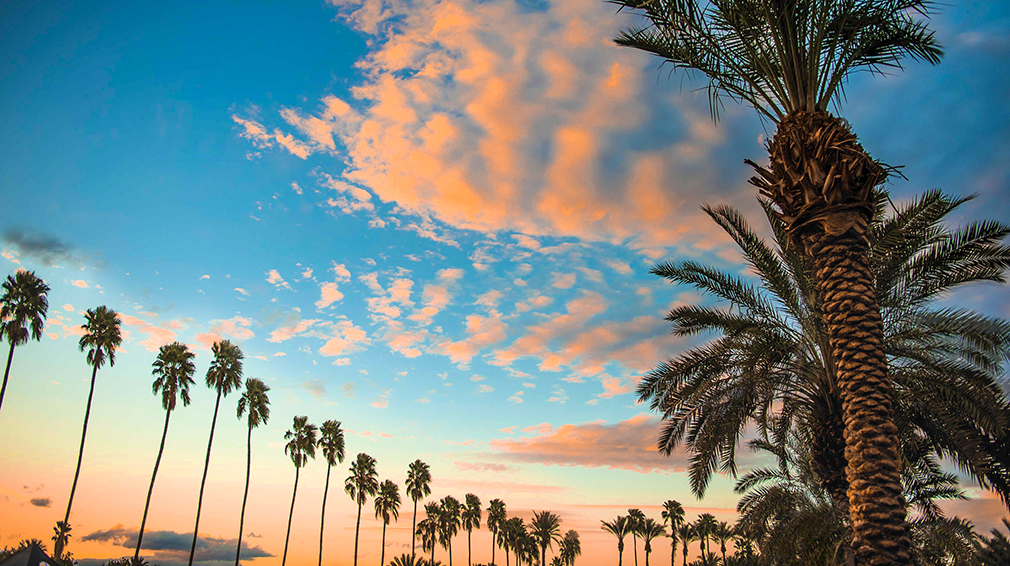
<point>722,533</point>
<point>687,535</point>
<point>224,374</point>
<point>570,548</point>
<point>673,516</point>
<point>789,60</point>
<point>504,538</point>
<point>387,506</point>
<point>255,400</point>
<point>545,528</point>
<point>23,309</point>
<point>470,517</point>
<point>448,522</point>
<point>418,486</point>
<point>635,520</point>
<point>514,532</point>
<point>362,483</point>
<point>649,530</point>
<point>173,371</point>
<point>496,516</point>
<point>620,529</point>
<point>427,529</point>
<point>300,447</point>
<point>704,525</point>
<point>331,441</point>
<point>101,339</point>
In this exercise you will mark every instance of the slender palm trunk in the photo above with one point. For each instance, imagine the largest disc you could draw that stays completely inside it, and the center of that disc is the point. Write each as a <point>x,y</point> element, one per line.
<point>245,495</point>
<point>634,547</point>
<point>58,549</point>
<point>291,515</point>
<point>723,550</point>
<point>506,556</point>
<point>469,556</point>
<point>10,356</point>
<point>413,531</point>
<point>685,552</point>
<point>322,520</point>
<point>203,481</point>
<point>432,563</point>
<point>382,555</point>
<point>673,547</point>
<point>357,529</point>
<point>494,535</point>
<point>450,551</point>
<point>647,557</point>
<point>620,556</point>
<point>150,489</point>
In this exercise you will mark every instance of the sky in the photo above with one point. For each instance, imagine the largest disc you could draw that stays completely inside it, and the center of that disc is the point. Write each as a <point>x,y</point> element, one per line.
<point>431,220</point>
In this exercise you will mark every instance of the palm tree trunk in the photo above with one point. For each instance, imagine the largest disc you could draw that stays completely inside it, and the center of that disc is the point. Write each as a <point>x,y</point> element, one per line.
<point>150,489</point>
<point>620,556</point>
<point>494,535</point>
<point>382,555</point>
<point>291,515</point>
<point>413,531</point>
<point>357,529</point>
<point>646,558</point>
<point>673,546</point>
<point>634,546</point>
<point>10,356</point>
<point>506,557</point>
<point>469,556</point>
<point>245,495</point>
<point>322,520</point>
<point>432,563</point>
<point>203,481</point>
<point>852,316</point>
<point>450,551</point>
<point>685,552</point>
<point>543,556</point>
<point>723,551</point>
<point>58,548</point>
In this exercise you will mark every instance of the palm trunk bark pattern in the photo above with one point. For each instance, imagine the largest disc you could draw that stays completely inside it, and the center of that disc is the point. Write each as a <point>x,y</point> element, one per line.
<point>150,489</point>
<point>245,495</point>
<point>322,520</point>
<point>58,548</point>
<point>7,372</point>
<point>203,481</point>
<point>291,515</point>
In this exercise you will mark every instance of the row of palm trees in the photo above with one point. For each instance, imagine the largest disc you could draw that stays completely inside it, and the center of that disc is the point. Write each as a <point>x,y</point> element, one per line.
<point>705,529</point>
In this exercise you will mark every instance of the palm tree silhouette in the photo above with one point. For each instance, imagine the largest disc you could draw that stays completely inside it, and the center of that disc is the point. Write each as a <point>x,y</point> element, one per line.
<point>331,440</point>
<point>23,309</point>
<point>300,447</point>
<point>704,525</point>
<point>471,520</point>
<point>427,529</point>
<point>387,506</point>
<point>495,518</point>
<point>545,529</point>
<point>254,400</point>
<point>687,534</point>
<point>101,339</point>
<point>635,520</point>
<point>722,533</point>
<point>673,515</point>
<point>619,528</point>
<point>570,548</point>
<point>417,487</point>
<point>225,374</point>
<point>649,530</point>
<point>790,60</point>
<point>173,371</point>
<point>448,522</point>
<point>362,483</point>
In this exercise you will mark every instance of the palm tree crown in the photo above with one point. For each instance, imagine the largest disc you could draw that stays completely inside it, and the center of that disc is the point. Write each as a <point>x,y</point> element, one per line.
<point>387,502</point>
<point>418,486</point>
<point>570,548</point>
<point>101,337</point>
<point>363,481</point>
<point>331,441</point>
<point>254,400</point>
<point>173,371</point>
<point>225,373</point>
<point>301,441</point>
<point>23,307</point>
<point>620,528</point>
<point>546,529</point>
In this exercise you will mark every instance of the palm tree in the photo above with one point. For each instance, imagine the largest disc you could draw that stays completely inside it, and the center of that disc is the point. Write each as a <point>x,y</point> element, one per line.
<point>448,522</point>
<point>514,532</point>
<point>387,505</point>
<point>101,339</point>
<point>258,404</point>
<point>673,516</point>
<point>619,528</point>
<point>331,441</point>
<point>504,538</point>
<point>427,529</point>
<point>704,525</point>
<point>687,535</point>
<point>722,533</point>
<point>994,550</point>
<point>300,447</point>
<point>23,309</point>
<point>570,548</point>
<point>173,370</point>
<point>470,517</point>
<point>635,520</point>
<point>362,483</point>
<point>545,528</point>
<point>495,518</point>
<point>649,530</point>
<point>224,374</point>
<point>417,487</point>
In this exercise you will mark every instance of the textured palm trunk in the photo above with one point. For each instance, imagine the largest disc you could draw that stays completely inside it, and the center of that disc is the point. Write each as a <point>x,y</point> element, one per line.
<point>357,529</point>
<point>150,489</point>
<point>322,520</point>
<point>245,495</point>
<point>203,480</point>
<point>828,453</point>
<point>58,548</point>
<point>3,389</point>
<point>291,514</point>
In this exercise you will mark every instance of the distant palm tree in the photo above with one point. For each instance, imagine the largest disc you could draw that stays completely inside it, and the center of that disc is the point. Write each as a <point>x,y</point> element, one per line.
<point>362,483</point>
<point>300,447</point>
<point>704,526</point>
<point>570,548</point>
<point>448,522</point>
<point>619,528</point>
<point>635,520</point>
<point>504,537</point>
<point>387,506</point>
<point>673,516</point>
<point>722,533</point>
<point>687,534</point>
<point>417,487</point>
<point>546,529</point>
<point>225,374</point>
<point>427,529</point>
<point>405,560</point>
<point>101,339</point>
<point>173,369</point>
<point>471,520</point>
<point>258,404</point>
<point>495,518</point>
<point>23,309</point>
<point>331,441</point>
<point>649,530</point>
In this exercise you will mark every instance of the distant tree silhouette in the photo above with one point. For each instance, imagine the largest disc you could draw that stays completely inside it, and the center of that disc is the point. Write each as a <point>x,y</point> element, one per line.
<point>300,447</point>
<point>256,402</point>
<point>495,518</point>
<point>635,520</point>
<point>417,487</point>
<point>673,516</point>
<point>545,529</point>
<point>362,483</point>
<point>448,522</point>
<point>387,506</point>
<point>470,517</point>
<point>331,441</point>
<point>649,530</point>
<point>619,528</point>
<point>23,309</point>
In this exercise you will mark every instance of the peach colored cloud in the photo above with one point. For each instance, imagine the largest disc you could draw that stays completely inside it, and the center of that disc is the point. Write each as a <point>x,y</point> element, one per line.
<point>346,338</point>
<point>482,331</point>
<point>157,336</point>
<point>328,294</point>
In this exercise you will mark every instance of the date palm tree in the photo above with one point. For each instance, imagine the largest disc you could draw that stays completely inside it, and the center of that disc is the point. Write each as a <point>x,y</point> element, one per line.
<point>173,371</point>
<point>619,528</point>
<point>687,534</point>
<point>387,506</point>
<point>360,485</point>
<point>255,401</point>
<point>546,529</point>
<point>722,533</point>
<point>703,527</point>
<point>790,60</point>
<point>331,441</point>
<point>224,374</point>
<point>448,522</point>
<point>427,529</point>
<point>418,487</point>
<point>570,548</point>
<point>23,309</point>
<point>649,530</point>
<point>496,516</point>
<point>673,516</point>
<point>300,447</point>
<point>101,339</point>
<point>635,520</point>
<point>470,517</point>
<point>504,538</point>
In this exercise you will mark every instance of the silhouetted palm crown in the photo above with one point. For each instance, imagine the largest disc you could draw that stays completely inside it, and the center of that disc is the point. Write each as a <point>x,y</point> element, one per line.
<point>101,336</point>
<point>23,308</point>
<point>301,439</point>
<point>363,481</point>
<point>254,400</point>
<point>225,373</point>
<point>331,441</point>
<point>173,371</point>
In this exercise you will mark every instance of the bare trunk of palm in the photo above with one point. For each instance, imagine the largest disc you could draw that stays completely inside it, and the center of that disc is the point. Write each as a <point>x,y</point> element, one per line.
<point>58,548</point>
<point>203,480</point>
<point>382,555</point>
<point>322,520</point>
<point>413,532</point>
<point>620,556</point>
<point>543,556</point>
<point>494,535</point>
<point>685,553</point>
<point>291,514</point>
<point>245,495</point>
<point>469,556</point>
<point>646,558</point>
<point>634,547</point>
<point>450,551</point>
<point>150,489</point>
<point>673,547</point>
<point>357,529</point>
<point>10,356</point>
